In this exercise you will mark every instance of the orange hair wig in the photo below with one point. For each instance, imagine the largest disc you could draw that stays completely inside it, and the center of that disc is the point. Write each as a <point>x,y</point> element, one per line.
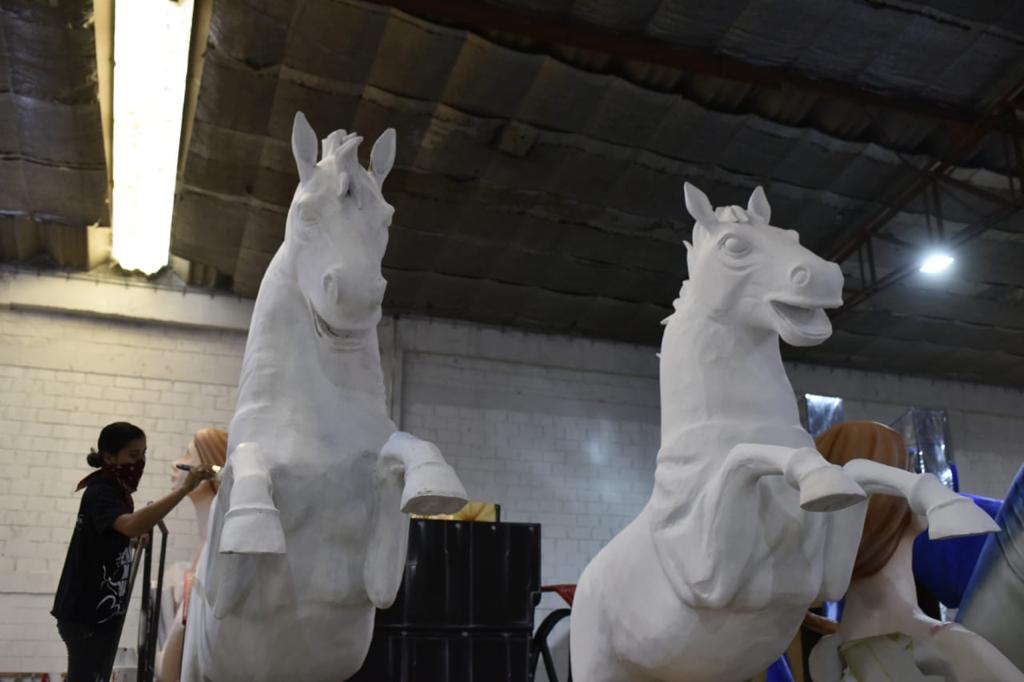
<point>211,446</point>
<point>887,517</point>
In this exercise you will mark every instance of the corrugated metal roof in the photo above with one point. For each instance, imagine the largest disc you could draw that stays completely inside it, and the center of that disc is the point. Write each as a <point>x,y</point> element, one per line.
<point>543,147</point>
<point>52,164</point>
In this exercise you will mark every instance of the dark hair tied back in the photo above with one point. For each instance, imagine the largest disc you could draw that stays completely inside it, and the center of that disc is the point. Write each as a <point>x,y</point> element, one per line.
<point>112,439</point>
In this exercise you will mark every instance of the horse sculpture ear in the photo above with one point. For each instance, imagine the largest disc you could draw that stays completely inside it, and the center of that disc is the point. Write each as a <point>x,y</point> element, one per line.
<point>382,156</point>
<point>304,147</point>
<point>758,205</point>
<point>699,207</point>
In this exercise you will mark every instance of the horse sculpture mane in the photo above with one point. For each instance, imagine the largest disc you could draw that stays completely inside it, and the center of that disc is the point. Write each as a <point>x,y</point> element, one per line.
<point>308,532</point>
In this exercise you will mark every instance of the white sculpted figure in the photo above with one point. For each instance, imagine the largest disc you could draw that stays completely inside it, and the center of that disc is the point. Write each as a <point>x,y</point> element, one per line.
<point>747,525</point>
<point>309,529</point>
<point>883,635</point>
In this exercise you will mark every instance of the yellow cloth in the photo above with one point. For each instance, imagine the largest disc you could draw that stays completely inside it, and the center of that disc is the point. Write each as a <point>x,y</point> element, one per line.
<point>882,658</point>
<point>473,511</point>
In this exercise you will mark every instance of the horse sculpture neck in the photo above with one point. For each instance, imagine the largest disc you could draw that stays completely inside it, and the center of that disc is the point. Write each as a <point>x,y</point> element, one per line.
<point>312,362</point>
<point>714,373</point>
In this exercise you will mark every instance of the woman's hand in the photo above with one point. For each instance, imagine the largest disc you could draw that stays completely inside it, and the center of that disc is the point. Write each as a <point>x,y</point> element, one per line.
<point>142,521</point>
<point>198,474</point>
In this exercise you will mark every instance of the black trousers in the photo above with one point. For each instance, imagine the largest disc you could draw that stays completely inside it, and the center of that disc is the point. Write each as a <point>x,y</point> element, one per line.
<point>91,650</point>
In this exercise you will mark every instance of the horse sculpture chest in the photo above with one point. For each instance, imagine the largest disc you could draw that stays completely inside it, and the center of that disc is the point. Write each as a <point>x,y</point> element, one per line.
<point>308,532</point>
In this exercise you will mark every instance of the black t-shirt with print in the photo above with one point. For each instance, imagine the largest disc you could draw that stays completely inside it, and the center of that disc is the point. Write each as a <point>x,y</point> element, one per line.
<point>93,587</point>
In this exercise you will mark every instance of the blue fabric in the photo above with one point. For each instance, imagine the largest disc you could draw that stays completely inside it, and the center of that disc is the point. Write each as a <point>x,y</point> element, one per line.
<point>944,567</point>
<point>780,671</point>
<point>834,609</point>
<point>993,605</point>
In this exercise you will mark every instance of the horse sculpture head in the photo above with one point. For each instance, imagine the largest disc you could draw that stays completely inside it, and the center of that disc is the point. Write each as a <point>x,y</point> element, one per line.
<point>337,231</point>
<point>748,272</point>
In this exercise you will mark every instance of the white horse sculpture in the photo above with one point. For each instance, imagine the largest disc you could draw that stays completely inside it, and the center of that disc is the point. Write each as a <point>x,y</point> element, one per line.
<point>308,533</point>
<point>743,531</point>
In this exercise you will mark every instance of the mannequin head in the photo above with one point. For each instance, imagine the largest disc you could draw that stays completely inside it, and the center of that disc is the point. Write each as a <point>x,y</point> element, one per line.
<point>887,517</point>
<point>210,447</point>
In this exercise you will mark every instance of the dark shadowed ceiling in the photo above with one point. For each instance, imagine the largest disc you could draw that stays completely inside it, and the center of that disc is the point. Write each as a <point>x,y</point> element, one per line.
<point>53,171</point>
<point>543,145</point>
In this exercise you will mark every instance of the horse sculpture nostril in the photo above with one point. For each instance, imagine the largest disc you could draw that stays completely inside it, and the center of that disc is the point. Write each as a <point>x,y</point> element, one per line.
<point>330,282</point>
<point>799,276</point>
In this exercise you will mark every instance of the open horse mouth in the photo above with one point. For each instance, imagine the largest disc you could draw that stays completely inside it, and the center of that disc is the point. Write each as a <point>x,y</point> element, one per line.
<point>341,339</point>
<point>807,319</point>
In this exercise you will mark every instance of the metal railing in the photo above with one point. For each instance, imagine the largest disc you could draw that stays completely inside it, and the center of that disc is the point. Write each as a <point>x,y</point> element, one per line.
<point>540,650</point>
<point>149,614</point>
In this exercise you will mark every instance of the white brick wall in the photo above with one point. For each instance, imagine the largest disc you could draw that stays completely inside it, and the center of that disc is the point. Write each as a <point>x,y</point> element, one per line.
<point>571,450</point>
<point>63,378</point>
<point>565,432</point>
<point>560,431</point>
<point>986,422</point>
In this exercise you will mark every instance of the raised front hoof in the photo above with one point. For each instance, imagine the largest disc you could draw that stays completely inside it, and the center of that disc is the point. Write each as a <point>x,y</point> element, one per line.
<point>829,489</point>
<point>252,531</point>
<point>432,488</point>
<point>957,518</point>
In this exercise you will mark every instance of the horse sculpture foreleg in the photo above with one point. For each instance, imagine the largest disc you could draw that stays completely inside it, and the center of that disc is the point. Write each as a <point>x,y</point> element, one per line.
<point>949,514</point>
<point>252,524</point>
<point>732,502</point>
<point>412,478</point>
<point>822,486</point>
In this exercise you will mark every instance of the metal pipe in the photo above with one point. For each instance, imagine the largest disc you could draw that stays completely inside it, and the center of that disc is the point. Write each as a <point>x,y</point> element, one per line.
<point>962,146</point>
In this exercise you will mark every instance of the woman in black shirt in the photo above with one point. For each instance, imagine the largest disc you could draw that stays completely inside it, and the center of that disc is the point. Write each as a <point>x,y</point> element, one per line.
<point>93,592</point>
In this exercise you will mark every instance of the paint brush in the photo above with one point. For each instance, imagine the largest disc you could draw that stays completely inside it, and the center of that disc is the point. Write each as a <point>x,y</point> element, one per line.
<point>189,467</point>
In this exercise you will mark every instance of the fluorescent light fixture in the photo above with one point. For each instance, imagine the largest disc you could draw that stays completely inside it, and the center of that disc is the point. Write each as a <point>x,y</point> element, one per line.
<point>151,50</point>
<point>936,262</point>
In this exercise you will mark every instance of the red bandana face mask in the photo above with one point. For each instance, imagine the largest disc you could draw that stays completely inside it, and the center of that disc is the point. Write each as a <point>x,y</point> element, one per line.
<point>128,475</point>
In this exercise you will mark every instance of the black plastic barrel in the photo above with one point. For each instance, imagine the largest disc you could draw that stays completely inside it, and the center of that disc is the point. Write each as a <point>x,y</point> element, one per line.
<point>464,612</point>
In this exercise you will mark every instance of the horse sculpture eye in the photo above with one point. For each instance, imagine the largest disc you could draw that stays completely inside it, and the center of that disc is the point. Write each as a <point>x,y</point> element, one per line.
<point>735,246</point>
